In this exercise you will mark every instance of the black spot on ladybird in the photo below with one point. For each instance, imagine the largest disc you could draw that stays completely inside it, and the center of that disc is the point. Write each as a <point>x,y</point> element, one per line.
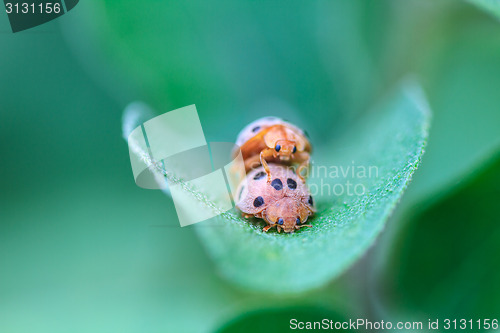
<point>310,201</point>
<point>259,175</point>
<point>259,201</point>
<point>277,148</point>
<point>294,150</point>
<point>292,184</point>
<point>280,221</point>
<point>255,129</point>
<point>277,184</point>
<point>297,220</point>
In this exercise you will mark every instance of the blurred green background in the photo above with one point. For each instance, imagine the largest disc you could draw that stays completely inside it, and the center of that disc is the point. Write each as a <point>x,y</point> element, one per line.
<point>83,249</point>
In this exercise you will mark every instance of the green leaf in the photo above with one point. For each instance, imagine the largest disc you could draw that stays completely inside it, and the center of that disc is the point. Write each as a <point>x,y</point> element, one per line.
<point>491,6</point>
<point>445,261</point>
<point>391,138</point>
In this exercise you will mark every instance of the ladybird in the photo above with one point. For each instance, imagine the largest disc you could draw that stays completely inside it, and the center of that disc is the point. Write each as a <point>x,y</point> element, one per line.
<point>273,140</point>
<point>284,203</point>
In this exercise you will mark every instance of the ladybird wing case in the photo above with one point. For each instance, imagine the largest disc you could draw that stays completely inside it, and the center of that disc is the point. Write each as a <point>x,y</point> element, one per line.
<point>295,188</point>
<point>256,185</point>
<point>255,127</point>
<point>253,131</point>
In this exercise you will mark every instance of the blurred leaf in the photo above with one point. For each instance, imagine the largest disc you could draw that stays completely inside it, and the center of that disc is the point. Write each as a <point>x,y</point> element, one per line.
<point>491,6</point>
<point>228,57</point>
<point>457,64</point>
<point>392,139</point>
<point>445,262</point>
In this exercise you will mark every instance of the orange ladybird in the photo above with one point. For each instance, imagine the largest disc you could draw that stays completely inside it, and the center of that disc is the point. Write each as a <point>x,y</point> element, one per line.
<point>284,203</point>
<point>273,140</point>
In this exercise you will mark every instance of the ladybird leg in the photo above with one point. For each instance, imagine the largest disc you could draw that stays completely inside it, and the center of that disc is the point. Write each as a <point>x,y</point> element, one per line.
<point>304,158</point>
<point>252,162</point>
<point>263,155</point>
<point>267,227</point>
<point>279,228</point>
<point>303,225</point>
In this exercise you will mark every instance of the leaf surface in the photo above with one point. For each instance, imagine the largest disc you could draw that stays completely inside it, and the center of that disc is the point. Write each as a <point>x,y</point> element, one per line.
<point>391,139</point>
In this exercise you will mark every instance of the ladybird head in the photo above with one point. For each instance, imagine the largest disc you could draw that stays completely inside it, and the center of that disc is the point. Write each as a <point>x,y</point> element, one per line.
<point>285,148</point>
<point>284,140</point>
<point>287,214</point>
